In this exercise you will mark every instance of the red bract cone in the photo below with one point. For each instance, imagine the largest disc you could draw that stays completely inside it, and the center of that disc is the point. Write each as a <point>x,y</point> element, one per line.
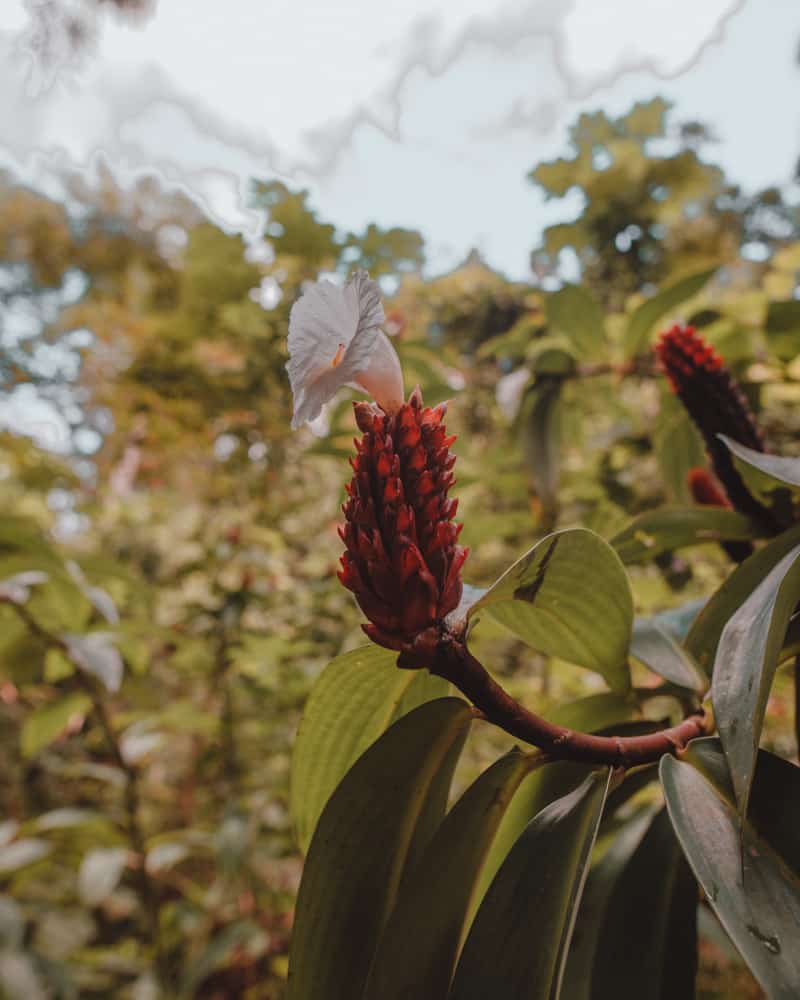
<point>716,405</point>
<point>402,560</point>
<point>706,492</point>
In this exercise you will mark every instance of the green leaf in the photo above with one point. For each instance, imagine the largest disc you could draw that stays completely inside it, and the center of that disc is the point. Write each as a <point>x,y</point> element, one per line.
<point>96,654</point>
<point>354,700</point>
<point>17,588</point>
<point>656,531</point>
<point>574,311</point>
<point>763,474</point>
<point>100,872</point>
<point>48,721</point>
<point>678,448</point>
<point>537,790</point>
<point>570,597</point>
<point>653,958</point>
<point>644,318</point>
<point>783,328</point>
<point>653,646</point>
<point>539,425</point>
<point>704,634</point>
<point>359,850</point>
<point>774,810</point>
<point>589,922</point>
<point>745,664</point>
<point>594,712</point>
<point>418,949</point>
<point>745,879</point>
<point>518,943</point>
<point>21,853</point>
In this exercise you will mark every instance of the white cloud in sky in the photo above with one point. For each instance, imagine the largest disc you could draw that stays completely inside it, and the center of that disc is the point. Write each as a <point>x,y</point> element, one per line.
<point>425,114</point>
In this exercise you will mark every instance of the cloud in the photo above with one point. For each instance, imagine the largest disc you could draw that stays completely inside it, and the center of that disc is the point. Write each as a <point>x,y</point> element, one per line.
<point>293,89</point>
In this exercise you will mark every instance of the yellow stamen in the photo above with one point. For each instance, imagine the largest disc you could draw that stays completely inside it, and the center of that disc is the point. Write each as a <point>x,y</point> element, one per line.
<point>337,360</point>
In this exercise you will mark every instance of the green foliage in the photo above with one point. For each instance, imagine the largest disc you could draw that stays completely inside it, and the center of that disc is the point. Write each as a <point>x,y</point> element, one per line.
<point>743,875</point>
<point>168,600</point>
<point>356,859</point>
<point>535,895</point>
<point>550,599</point>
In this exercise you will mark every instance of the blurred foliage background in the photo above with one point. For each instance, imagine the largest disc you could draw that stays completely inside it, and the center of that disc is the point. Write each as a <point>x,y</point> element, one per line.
<point>185,540</point>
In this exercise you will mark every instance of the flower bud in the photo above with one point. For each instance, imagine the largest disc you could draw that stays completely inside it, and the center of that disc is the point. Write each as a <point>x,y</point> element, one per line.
<point>716,405</point>
<point>401,558</point>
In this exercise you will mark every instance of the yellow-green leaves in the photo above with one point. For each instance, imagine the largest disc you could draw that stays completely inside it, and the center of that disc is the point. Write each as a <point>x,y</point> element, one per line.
<point>360,846</point>
<point>656,531</point>
<point>575,312</point>
<point>659,306</point>
<point>569,597</point>
<point>356,698</point>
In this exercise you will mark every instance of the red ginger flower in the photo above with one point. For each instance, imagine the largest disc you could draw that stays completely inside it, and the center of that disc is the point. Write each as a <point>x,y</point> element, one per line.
<point>402,560</point>
<point>716,405</point>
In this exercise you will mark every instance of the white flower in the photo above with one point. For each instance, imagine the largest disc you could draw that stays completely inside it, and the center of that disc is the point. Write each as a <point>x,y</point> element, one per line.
<point>335,339</point>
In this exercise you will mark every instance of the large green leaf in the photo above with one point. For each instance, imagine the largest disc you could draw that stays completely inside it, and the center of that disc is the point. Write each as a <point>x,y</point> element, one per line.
<point>354,700</point>
<point>653,958</point>
<point>603,874</point>
<point>574,311</point>
<point>418,949</point>
<point>763,474</point>
<point>745,879</point>
<point>667,528</point>
<point>359,850</point>
<point>569,596</point>
<point>774,810</point>
<point>644,318</point>
<point>656,648</point>
<point>707,627</point>
<point>745,664</point>
<point>518,943</point>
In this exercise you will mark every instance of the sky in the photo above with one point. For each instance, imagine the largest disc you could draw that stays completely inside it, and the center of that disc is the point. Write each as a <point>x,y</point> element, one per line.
<point>427,114</point>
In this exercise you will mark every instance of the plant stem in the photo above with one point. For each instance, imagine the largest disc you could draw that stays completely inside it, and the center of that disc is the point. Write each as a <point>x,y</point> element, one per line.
<point>451,660</point>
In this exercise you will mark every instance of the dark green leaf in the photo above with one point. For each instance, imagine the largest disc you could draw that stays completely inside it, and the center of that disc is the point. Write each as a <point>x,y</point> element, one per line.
<point>707,628</point>
<point>764,474</point>
<point>656,308</point>
<point>655,647</point>
<point>418,949</point>
<point>668,528</point>
<point>653,958</point>
<point>744,878</point>
<point>591,913</point>
<point>745,664</point>
<point>355,699</point>
<point>359,850</point>
<point>569,596</point>
<point>518,943</point>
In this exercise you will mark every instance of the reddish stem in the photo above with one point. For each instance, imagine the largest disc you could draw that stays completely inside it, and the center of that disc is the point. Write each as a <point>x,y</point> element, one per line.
<point>454,662</point>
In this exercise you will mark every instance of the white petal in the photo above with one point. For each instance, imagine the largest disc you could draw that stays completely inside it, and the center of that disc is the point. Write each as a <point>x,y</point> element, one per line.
<point>383,376</point>
<point>332,334</point>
